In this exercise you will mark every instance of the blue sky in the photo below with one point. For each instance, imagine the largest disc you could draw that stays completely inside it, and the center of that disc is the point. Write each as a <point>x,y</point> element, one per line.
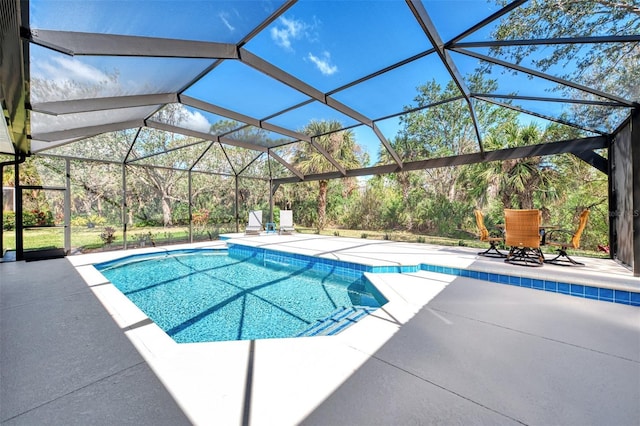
<point>324,44</point>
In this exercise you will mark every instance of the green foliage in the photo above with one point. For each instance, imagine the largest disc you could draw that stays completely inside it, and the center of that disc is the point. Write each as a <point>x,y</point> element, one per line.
<point>8,221</point>
<point>437,215</point>
<point>147,223</point>
<point>364,235</point>
<point>37,218</point>
<point>180,214</point>
<point>305,211</point>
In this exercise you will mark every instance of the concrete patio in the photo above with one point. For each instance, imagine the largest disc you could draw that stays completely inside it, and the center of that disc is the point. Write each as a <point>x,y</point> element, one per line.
<point>446,349</point>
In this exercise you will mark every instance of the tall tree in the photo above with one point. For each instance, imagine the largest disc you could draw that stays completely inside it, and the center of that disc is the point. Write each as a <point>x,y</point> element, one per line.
<point>610,67</point>
<point>519,182</point>
<point>446,129</point>
<point>340,144</point>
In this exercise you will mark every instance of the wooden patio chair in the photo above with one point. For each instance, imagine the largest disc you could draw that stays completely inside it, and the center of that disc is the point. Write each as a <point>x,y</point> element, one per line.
<point>484,235</point>
<point>570,240</point>
<point>522,235</point>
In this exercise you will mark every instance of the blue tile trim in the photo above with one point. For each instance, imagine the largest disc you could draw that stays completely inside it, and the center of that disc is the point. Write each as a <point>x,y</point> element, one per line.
<point>355,270</point>
<point>337,267</point>
<point>578,290</point>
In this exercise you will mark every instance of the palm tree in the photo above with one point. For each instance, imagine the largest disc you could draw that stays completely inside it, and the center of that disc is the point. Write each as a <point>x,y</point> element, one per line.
<point>340,144</point>
<point>517,181</point>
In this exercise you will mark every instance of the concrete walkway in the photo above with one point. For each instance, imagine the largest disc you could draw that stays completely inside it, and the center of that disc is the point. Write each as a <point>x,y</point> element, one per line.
<point>444,350</point>
<point>64,361</point>
<point>482,353</point>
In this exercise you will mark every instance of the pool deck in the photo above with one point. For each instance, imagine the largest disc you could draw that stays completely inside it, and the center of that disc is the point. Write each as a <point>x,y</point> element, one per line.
<point>446,349</point>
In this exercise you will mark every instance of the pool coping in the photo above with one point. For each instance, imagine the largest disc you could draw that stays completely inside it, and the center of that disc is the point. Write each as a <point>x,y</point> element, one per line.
<point>186,368</point>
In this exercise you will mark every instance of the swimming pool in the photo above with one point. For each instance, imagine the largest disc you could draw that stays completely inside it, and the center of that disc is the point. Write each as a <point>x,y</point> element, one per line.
<point>208,295</point>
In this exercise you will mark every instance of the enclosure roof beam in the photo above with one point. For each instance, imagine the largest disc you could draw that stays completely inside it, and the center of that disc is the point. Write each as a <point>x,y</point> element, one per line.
<point>155,154</point>
<point>283,77</point>
<point>544,76</point>
<point>572,146</point>
<point>83,132</point>
<point>278,74</point>
<point>286,164</point>
<point>268,21</point>
<point>489,19</point>
<point>250,163</point>
<point>214,109</point>
<point>100,104</point>
<point>419,108</point>
<point>37,145</point>
<point>202,135</point>
<point>328,156</point>
<point>382,71</point>
<point>594,159</point>
<point>424,20</point>
<point>631,38</point>
<point>77,43</point>
<point>548,99</point>
<point>387,145</point>
<point>546,117</point>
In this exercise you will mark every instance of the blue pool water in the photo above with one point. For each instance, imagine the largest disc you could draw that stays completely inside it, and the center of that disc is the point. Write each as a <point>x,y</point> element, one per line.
<point>208,295</point>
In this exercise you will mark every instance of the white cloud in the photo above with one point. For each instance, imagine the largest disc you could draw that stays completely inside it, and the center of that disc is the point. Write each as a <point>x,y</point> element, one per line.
<point>323,63</point>
<point>195,121</point>
<point>287,30</point>
<point>70,69</point>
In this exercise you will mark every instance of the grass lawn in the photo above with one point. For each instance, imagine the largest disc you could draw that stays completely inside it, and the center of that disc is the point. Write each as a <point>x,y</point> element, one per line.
<point>88,239</point>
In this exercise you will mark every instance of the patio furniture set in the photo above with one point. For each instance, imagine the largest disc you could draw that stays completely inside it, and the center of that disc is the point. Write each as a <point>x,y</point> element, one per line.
<point>524,234</point>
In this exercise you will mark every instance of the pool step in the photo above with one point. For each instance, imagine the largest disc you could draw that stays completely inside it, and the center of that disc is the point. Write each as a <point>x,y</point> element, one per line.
<point>337,321</point>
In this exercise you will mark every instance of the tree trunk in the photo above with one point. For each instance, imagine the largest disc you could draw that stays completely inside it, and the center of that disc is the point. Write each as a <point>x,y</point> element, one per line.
<point>322,203</point>
<point>166,211</point>
<point>405,183</point>
<point>506,199</point>
<point>526,201</point>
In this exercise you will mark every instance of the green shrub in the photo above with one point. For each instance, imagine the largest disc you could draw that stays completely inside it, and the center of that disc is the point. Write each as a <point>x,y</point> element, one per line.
<point>364,235</point>
<point>147,223</point>
<point>37,218</point>
<point>8,221</point>
<point>420,239</point>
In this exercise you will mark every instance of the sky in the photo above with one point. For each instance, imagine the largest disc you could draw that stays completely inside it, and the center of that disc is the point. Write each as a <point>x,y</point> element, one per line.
<point>324,44</point>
